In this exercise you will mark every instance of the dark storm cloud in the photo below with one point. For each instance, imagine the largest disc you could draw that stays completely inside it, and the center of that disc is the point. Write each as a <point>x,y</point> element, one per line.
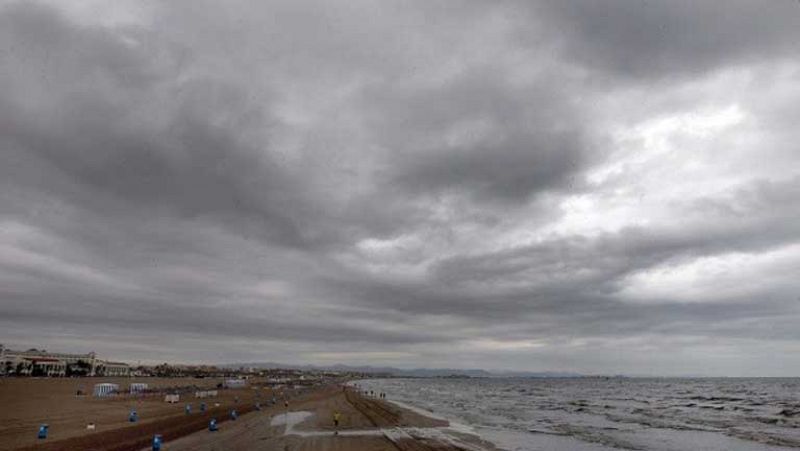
<point>567,275</point>
<point>655,39</point>
<point>88,132</point>
<point>286,180</point>
<point>437,133</point>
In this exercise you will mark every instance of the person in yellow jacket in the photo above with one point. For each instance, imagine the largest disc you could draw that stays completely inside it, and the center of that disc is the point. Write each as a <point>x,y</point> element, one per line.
<point>336,417</point>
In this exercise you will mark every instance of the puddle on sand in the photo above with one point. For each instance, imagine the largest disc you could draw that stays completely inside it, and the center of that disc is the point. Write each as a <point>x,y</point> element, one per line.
<point>290,419</point>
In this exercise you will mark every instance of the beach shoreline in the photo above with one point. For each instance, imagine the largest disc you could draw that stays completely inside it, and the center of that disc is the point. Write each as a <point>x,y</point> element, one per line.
<point>366,422</point>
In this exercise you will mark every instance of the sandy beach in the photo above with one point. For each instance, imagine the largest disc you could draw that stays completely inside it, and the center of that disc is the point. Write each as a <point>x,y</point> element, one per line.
<point>27,403</point>
<point>366,423</point>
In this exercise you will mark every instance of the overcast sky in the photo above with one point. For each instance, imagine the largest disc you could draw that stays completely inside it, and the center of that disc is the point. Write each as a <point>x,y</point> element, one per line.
<point>592,186</point>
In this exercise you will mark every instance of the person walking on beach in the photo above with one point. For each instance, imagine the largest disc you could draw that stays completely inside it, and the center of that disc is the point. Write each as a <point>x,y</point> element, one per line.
<point>336,417</point>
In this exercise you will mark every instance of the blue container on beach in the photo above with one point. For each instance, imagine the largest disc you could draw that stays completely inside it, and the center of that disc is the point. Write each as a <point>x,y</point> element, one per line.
<point>42,431</point>
<point>202,407</point>
<point>156,442</point>
<point>188,409</point>
<point>234,415</point>
<point>132,417</point>
<point>212,425</point>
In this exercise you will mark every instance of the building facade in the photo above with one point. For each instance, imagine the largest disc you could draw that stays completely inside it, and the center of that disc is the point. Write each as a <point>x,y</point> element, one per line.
<point>36,362</point>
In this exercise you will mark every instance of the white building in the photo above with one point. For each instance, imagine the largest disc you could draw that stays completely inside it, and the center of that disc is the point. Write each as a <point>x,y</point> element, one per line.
<point>36,362</point>
<point>235,383</point>
<point>105,368</point>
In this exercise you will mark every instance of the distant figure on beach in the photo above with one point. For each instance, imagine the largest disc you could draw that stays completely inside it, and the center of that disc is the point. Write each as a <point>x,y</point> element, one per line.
<point>336,417</point>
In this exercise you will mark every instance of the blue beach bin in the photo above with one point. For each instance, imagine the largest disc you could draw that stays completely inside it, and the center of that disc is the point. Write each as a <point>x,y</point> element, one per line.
<point>42,431</point>
<point>132,417</point>
<point>212,425</point>
<point>157,442</point>
<point>188,409</point>
<point>202,407</point>
<point>234,415</point>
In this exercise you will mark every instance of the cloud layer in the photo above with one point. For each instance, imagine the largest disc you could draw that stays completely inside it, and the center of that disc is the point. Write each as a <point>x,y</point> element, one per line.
<point>584,186</point>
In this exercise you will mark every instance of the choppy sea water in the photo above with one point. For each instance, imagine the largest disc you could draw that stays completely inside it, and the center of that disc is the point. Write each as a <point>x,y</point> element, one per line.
<point>602,414</point>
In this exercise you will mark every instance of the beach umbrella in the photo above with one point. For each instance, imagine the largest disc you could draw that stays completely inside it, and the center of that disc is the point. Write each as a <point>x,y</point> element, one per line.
<point>42,431</point>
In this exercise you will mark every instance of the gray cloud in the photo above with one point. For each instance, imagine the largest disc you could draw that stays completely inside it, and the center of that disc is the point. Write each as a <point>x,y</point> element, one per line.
<point>531,186</point>
<point>673,39</point>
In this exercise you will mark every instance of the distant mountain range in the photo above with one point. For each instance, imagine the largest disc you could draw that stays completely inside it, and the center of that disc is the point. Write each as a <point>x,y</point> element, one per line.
<point>416,372</point>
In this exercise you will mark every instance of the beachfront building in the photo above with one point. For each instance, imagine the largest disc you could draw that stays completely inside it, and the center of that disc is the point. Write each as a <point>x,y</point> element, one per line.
<point>235,383</point>
<point>39,362</point>
<point>115,369</point>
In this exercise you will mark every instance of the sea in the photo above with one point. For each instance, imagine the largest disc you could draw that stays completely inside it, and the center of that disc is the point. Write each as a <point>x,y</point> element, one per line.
<point>615,413</point>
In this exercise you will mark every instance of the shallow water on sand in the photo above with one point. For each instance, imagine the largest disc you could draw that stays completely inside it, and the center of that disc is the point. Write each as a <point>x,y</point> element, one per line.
<point>290,419</point>
<point>602,414</point>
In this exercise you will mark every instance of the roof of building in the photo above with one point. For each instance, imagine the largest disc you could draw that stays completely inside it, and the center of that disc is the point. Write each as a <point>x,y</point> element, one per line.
<point>42,359</point>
